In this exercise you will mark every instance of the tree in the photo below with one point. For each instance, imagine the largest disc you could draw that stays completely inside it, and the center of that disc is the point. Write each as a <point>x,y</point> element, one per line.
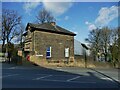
<point>119,46</point>
<point>119,40</point>
<point>45,16</point>
<point>105,39</point>
<point>100,41</point>
<point>114,49</point>
<point>20,38</point>
<point>94,40</point>
<point>10,23</point>
<point>3,38</point>
<point>106,42</point>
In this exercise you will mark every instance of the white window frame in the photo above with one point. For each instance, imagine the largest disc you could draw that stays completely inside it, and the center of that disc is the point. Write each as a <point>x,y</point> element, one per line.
<point>66,52</point>
<point>48,52</point>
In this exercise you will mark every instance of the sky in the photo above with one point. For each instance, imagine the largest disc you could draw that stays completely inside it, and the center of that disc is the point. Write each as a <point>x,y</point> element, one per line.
<point>78,17</point>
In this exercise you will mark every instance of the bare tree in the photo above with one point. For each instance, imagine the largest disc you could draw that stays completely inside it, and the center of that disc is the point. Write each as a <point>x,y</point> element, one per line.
<point>114,49</point>
<point>119,47</point>
<point>20,38</point>
<point>105,40</point>
<point>3,38</point>
<point>100,40</point>
<point>45,16</point>
<point>94,40</point>
<point>10,22</point>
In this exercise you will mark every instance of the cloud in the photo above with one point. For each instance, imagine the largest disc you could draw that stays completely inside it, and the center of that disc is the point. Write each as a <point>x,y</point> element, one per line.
<point>57,8</point>
<point>66,17</point>
<point>91,26</point>
<point>61,0</point>
<point>87,23</point>
<point>29,6</point>
<point>106,15</point>
<point>75,32</point>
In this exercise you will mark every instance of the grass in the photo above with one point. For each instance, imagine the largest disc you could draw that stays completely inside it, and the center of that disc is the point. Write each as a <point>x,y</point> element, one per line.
<point>77,63</point>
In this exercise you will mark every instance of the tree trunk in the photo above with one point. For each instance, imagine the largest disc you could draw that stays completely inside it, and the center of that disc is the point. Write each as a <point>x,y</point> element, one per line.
<point>3,46</point>
<point>105,56</point>
<point>7,49</point>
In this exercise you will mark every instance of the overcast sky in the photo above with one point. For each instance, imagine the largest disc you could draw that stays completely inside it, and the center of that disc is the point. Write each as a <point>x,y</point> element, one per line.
<point>78,17</point>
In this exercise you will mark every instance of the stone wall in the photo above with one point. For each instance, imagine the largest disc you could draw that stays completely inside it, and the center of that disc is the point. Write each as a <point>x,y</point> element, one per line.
<point>57,42</point>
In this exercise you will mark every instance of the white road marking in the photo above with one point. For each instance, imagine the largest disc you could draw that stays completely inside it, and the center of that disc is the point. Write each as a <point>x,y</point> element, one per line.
<point>41,74</point>
<point>65,81</point>
<point>73,78</point>
<point>117,80</point>
<point>42,77</point>
<point>9,75</point>
<point>12,68</point>
<point>56,75</point>
<point>107,79</point>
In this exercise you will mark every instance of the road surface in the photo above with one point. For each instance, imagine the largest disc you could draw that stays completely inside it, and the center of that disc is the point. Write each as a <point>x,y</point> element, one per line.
<point>61,77</point>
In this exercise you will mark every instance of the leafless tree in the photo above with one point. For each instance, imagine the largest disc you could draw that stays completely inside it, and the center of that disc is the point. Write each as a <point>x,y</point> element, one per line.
<point>45,16</point>
<point>94,40</point>
<point>10,22</point>
<point>119,45</point>
<point>20,38</point>
<point>105,40</point>
<point>100,40</point>
<point>115,47</point>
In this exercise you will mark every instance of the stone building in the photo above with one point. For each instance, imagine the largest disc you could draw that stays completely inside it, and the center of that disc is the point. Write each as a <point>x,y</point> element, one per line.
<point>49,42</point>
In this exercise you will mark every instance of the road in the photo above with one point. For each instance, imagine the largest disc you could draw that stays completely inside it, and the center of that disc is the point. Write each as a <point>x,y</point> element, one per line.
<point>61,77</point>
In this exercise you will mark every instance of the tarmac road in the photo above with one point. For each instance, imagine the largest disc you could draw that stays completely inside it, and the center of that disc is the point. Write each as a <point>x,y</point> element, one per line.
<point>67,77</point>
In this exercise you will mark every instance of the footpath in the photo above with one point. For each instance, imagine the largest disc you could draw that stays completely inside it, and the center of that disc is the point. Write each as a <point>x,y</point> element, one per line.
<point>112,73</point>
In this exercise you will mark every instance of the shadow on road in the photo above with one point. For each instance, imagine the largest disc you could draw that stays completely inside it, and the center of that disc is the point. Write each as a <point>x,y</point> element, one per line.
<point>59,79</point>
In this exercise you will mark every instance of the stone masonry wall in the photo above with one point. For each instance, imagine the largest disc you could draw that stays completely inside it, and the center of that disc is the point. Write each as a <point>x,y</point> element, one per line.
<point>58,43</point>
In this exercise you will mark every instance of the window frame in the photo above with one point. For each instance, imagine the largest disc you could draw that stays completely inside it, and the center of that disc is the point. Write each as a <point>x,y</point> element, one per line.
<point>67,52</point>
<point>48,51</point>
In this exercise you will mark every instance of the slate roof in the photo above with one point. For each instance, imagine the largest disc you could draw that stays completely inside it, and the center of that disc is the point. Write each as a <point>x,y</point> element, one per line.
<point>48,27</point>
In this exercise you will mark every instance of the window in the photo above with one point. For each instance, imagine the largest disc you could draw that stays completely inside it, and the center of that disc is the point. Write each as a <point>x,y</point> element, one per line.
<point>66,52</point>
<point>48,52</point>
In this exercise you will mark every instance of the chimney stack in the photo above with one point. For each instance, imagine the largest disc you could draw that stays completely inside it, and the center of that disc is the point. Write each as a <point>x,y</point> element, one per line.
<point>53,23</point>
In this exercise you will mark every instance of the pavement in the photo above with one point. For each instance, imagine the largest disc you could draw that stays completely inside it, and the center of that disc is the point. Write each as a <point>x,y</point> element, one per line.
<point>112,73</point>
<point>32,76</point>
<point>108,72</point>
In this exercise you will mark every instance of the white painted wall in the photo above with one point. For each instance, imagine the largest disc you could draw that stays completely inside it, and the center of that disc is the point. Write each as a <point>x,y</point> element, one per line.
<point>78,49</point>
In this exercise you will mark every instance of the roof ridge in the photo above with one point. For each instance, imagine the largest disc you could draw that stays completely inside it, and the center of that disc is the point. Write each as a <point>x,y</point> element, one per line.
<point>51,28</point>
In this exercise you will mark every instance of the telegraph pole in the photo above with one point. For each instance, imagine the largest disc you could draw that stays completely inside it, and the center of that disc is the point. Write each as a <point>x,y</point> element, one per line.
<point>85,48</point>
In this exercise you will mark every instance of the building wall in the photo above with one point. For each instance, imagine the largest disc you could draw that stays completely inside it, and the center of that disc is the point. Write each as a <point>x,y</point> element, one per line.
<point>79,50</point>
<point>57,42</point>
<point>28,41</point>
